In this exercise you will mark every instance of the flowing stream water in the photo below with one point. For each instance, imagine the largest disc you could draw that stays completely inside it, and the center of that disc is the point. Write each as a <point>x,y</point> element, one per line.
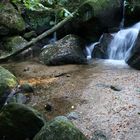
<point>120,47</point>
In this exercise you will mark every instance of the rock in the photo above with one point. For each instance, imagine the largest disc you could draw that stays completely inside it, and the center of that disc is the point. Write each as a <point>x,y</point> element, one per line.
<point>19,122</point>
<point>7,82</point>
<point>68,50</point>
<point>59,129</point>
<point>3,30</point>
<point>133,59</point>
<point>98,135</point>
<point>101,50</point>
<point>96,17</point>
<point>14,43</point>
<point>30,35</point>
<point>10,18</point>
<point>26,88</point>
<point>72,116</point>
<point>39,20</point>
<point>115,88</point>
<point>17,98</point>
<point>49,107</point>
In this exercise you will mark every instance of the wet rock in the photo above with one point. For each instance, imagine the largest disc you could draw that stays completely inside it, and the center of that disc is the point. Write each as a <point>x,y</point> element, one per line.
<point>17,98</point>
<point>19,122</point>
<point>26,88</point>
<point>96,17</point>
<point>7,82</point>
<point>59,129</point>
<point>30,35</point>
<point>49,107</point>
<point>68,50</point>
<point>101,50</point>
<point>10,18</point>
<point>99,135</point>
<point>72,116</point>
<point>3,30</point>
<point>39,20</point>
<point>115,88</point>
<point>133,59</point>
<point>14,43</point>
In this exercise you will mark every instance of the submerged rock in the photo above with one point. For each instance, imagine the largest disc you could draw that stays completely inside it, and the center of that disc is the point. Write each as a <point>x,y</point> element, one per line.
<point>7,82</point>
<point>99,135</point>
<point>68,50</point>
<point>18,122</point>
<point>10,18</point>
<point>59,129</point>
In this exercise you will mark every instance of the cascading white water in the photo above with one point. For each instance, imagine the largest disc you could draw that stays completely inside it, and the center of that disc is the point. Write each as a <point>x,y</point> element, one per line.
<point>120,47</point>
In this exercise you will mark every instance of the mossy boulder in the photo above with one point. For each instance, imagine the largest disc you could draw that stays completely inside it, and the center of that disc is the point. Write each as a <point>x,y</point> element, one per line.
<point>18,122</point>
<point>39,20</point>
<point>95,17</point>
<point>68,50</point>
<point>59,129</point>
<point>7,81</point>
<point>13,43</point>
<point>10,18</point>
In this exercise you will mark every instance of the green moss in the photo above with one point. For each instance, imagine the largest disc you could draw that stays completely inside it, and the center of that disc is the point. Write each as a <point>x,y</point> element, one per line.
<point>59,129</point>
<point>20,122</point>
<point>7,80</point>
<point>14,43</point>
<point>10,18</point>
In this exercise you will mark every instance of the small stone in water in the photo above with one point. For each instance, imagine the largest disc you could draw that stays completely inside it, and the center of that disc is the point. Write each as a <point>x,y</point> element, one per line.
<point>115,88</point>
<point>48,107</point>
<point>72,116</point>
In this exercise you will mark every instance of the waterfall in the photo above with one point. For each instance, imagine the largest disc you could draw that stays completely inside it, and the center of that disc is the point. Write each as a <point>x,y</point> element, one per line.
<point>120,47</point>
<point>89,50</point>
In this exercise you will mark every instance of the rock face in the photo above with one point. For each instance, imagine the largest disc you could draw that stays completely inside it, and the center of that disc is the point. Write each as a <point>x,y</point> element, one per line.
<point>101,50</point>
<point>39,20</point>
<point>96,17</point>
<point>59,129</point>
<point>10,19</point>
<point>134,59</point>
<point>7,82</point>
<point>19,122</point>
<point>68,50</point>
<point>132,12</point>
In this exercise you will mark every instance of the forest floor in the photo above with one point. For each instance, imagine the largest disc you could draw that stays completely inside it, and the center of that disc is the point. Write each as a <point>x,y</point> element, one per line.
<point>105,95</point>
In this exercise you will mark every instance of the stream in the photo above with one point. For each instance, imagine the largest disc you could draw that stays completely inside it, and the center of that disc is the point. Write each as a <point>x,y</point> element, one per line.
<point>104,94</point>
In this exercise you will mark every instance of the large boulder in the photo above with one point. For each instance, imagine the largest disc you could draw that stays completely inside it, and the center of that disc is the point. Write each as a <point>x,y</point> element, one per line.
<point>94,18</point>
<point>134,58</point>
<point>101,49</point>
<point>40,20</point>
<point>7,82</point>
<point>59,129</point>
<point>18,122</point>
<point>10,19</point>
<point>68,50</point>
